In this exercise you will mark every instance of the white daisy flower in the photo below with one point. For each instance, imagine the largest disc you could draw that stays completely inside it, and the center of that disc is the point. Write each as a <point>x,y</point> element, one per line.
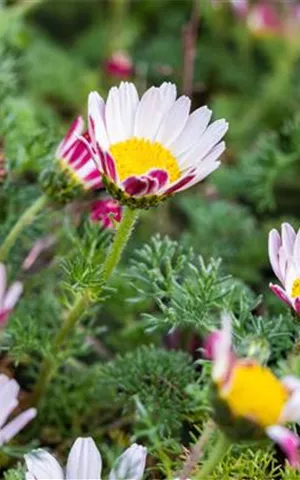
<point>85,463</point>
<point>149,148</point>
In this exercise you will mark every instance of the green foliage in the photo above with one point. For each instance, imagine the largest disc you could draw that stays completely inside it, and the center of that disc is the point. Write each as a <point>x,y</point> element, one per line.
<point>159,378</point>
<point>15,473</point>
<point>188,292</point>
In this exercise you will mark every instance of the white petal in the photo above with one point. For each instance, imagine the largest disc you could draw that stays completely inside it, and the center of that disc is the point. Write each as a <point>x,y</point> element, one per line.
<point>209,139</point>
<point>13,295</point>
<point>223,352</point>
<point>194,128</point>
<point>174,121</point>
<point>274,244</point>
<point>16,425</point>
<point>288,236</point>
<point>128,101</point>
<point>84,461</point>
<point>151,110</point>
<point>114,125</point>
<point>9,391</point>
<point>291,382</point>
<point>96,108</point>
<point>2,283</point>
<point>291,411</point>
<point>130,465</point>
<point>43,466</point>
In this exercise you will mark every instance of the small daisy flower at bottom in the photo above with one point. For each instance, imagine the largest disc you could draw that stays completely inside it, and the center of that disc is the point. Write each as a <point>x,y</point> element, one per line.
<point>73,172</point>
<point>85,463</point>
<point>150,148</point>
<point>107,211</point>
<point>249,401</point>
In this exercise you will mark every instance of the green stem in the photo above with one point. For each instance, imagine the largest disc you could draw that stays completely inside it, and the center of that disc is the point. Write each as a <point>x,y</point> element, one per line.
<point>216,456</point>
<point>26,219</point>
<point>83,301</point>
<point>122,236</point>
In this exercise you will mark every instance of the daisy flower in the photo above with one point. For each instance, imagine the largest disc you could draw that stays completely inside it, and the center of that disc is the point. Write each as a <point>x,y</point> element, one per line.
<point>74,171</point>
<point>150,148</point>
<point>85,463</point>
<point>107,211</point>
<point>9,391</point>
<point>8,298</point>
<point>119,65</point>
<point>250,401</point>
<point>75,156</point>
<point>284,254</point>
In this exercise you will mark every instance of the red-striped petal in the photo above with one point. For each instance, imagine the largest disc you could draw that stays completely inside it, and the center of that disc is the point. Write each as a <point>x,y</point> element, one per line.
<point>160,175</point>
<point>136,186</point>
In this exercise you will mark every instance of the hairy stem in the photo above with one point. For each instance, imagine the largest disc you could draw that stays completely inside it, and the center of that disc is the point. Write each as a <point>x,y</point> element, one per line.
<point>84,300</point>
<point>197,451</point>
<point>26,219</point>
<point>215,457</point>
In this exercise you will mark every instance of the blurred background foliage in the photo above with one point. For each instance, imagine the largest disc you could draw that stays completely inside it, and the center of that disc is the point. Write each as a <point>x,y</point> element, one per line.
<point>211,251</point>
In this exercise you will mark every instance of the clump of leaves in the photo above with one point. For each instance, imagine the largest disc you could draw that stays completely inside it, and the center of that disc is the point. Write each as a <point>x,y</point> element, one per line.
<point>159,378</point>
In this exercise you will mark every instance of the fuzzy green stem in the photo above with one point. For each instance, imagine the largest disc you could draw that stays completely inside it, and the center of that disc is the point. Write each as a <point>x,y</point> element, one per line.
<point>215,457</point>
<point>83,301</point>
<point>122,236</point>
<point>26,219</point>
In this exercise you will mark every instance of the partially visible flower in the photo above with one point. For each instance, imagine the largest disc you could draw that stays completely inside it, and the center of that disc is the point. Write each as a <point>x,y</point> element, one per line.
<point>249,400</point>
<point>39,246</point>
<point>84,463</point>
<point>106,211</point>
<point>8,298</point>
<point>284,254</point>
<point>263,19</point>
<point>74,170</point>
<point>9,390</point>
<point>151,148</point>
<point>119,65</point>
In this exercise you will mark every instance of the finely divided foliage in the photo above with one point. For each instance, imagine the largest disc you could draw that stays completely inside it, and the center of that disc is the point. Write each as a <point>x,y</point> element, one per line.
<point>135,322</point>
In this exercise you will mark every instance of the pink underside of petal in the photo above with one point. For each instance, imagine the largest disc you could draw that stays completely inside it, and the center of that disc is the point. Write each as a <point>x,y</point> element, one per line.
<point>290,446</point>
<point>297,305</point>
<point>280,293</point>
<point>110,166</point>
<point>74,126</point>
<point>210,343</point>
<point>160,175</point>
<point>4,314</point>
<point>135,186</point>
<point>95,177</point>
<point>181,183</point>
<point>152,185</point>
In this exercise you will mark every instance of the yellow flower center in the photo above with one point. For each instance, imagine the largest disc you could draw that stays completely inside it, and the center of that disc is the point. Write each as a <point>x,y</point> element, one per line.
<point>296,288</point>
<point>256,394</point>
<point>137,156</point>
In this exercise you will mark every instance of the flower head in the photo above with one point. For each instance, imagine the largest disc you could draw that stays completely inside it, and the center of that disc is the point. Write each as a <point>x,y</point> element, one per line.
<point>284,254</point>
<point>74,171</point>
<point>150,148</point>
<point>106,211</point>
<point>9,390</point>
<point>264,19</point>
<point>8,298</point>
<point>119,65</point>
<point>250,401</point>
<point>84,463</point>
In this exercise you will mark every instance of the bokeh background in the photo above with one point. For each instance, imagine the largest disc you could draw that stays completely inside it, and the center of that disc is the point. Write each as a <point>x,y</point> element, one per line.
<point>239,57</point>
